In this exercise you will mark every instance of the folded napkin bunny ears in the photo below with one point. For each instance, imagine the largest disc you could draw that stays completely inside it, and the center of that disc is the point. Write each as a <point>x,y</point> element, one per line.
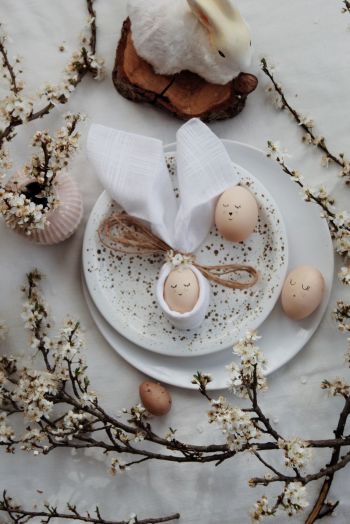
<point>133,170</point>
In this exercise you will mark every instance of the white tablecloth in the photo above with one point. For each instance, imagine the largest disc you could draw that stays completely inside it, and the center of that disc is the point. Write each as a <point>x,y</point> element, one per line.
<point>309,42</point>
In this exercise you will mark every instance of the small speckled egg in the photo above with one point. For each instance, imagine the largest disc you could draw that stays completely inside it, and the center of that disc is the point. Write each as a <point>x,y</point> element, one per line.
<point>302,292</point>
<point>181,290</point>
<point>155,398</point>
<point>236,214</point>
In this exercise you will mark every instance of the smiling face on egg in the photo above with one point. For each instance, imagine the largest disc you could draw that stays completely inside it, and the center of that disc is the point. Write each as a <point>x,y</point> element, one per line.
<point>302,292</point>
<point>181,290</point>
<point>236,214</point>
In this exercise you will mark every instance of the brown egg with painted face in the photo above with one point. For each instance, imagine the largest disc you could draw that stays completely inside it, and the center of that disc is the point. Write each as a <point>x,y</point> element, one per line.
<point>181,290</point>
<point>236,214</point>
<point>155,398</point>
<point>302,292</point>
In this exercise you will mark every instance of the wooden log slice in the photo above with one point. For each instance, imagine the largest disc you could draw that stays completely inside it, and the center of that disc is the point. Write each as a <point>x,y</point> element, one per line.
<point>186,95</point>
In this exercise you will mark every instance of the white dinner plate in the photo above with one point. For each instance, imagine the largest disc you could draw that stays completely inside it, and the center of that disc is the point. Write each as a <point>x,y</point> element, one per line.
<point>309,243</point>
<point>123,286</point>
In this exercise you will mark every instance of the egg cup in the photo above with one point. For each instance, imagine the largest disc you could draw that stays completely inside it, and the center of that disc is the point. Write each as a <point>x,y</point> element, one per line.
<point>193,318</point>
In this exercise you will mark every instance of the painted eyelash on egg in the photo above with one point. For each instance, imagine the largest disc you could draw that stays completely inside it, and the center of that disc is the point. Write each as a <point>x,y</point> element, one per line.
<point>187,285</point>
<point>173,286</point>
<point>292,283</point>
<point>305,288</point>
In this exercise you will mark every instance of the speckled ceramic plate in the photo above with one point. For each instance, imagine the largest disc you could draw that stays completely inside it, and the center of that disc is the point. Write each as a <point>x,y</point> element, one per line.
<point>123,286</point>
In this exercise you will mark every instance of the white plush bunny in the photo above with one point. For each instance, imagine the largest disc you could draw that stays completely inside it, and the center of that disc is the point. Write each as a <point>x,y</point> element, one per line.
<point>207,37</point>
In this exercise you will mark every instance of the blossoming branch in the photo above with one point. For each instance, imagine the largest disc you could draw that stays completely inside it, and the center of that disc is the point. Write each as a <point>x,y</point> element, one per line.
<point>17,108</point>
<point>338,221</point>
<point>27,200</point>
<point>60,410</point>
<point>20,515</point>
<point>306,124</point>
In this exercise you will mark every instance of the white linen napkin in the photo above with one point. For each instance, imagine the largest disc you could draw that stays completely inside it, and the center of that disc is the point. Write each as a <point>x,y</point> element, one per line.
<point>133,170</point>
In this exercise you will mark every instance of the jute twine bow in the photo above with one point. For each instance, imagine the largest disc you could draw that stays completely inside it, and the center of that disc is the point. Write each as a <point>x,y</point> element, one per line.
<point>127,234</point>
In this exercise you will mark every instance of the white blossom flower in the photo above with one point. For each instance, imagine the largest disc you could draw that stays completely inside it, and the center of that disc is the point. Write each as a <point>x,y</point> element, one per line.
<point>296,452</point>
<point>19,211</point>
<point>262,510</point>
<point>297,176</point>
<point>336,387</point>
<point>342,316</point>
<point>344,275</point>
<point>140,436</point>
<point>294,498</point>
<point>7,434</point>
<point>273,149</point>
<point>347,354</point>
<point>5,162</point>
<point>34,312</point>
<point>250,372</point>
<point>118,466</point>
<point>345,171</point>
<point>32,393</point>
<point>53,93</point>
<point>202,379</point>
<point>235,424</point>
<point>15,107</point>
<point>318,140</point>
<point>8,366</point>
<point>322,194</point>
<point>170,435</point>
<point>325,161</point>
<point>138,412</point>
<point>306,121</point>
<point>33,435</point>
<point>307,138</point>
<point>88,398</point>
<point>178,259</point>
<point>342,218</point>
<point>342,243</point>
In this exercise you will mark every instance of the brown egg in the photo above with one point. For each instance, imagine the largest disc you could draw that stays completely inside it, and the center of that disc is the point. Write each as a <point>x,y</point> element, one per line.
<point>302,292</point>
<point>236,214</point>
<point>155,398</point>
<point>181,290</point>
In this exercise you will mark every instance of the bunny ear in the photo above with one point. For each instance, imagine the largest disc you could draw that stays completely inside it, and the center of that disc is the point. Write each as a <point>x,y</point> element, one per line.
<point>210,12</point>
<point>226,7</point>
<point>201,11</point>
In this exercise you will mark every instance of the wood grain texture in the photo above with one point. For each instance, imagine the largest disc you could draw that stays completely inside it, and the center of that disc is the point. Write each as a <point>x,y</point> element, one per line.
<point>185,95</point>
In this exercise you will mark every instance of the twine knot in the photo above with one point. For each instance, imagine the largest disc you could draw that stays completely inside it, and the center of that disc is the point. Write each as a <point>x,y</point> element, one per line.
<point>127,234</point>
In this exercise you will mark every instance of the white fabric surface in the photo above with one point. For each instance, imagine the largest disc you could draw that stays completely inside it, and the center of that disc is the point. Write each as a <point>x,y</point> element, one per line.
<point>309,42</point>
<point>133,170</point>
